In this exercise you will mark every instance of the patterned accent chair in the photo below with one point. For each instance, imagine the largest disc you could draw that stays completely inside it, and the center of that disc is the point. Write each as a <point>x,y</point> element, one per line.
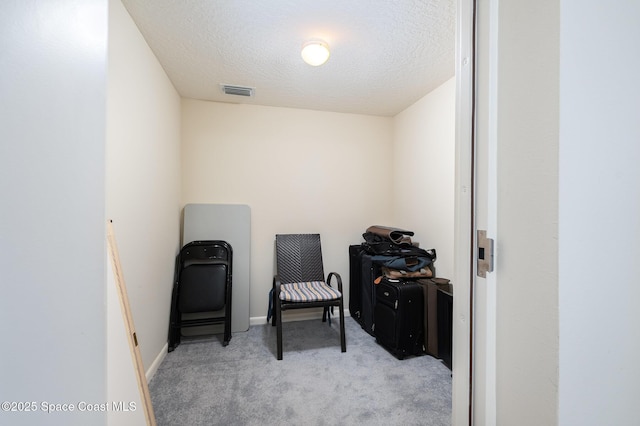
<point>300,282</point>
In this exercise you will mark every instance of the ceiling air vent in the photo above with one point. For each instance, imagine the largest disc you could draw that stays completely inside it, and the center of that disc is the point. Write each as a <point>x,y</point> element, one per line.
<point>229,89</point>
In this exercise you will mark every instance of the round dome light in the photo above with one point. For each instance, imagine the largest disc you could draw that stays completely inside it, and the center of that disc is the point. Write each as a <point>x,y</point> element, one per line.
<point>315,52</point>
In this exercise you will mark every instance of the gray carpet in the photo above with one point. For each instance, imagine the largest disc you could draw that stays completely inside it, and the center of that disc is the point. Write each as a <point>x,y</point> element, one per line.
<point>204,383</point>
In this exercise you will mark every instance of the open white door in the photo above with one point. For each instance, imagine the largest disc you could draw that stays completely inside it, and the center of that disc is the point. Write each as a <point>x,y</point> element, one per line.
<point>462,279</point>
<point>483,294</point>
<point>474,387</point>
<point>513,312</point>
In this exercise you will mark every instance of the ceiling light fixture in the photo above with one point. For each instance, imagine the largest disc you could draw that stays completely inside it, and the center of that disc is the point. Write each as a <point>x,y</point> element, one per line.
<point>315,52</point>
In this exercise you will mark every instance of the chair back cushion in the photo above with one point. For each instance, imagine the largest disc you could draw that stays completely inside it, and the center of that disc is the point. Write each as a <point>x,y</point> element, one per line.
<point>299,258</point>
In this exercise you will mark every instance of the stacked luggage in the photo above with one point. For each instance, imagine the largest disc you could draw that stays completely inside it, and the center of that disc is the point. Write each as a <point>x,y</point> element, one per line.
<point>385,252</point>
<point>391,291</point>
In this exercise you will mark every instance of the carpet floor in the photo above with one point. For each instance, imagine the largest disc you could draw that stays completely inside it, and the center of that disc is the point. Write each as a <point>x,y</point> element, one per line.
<point>203,383</point>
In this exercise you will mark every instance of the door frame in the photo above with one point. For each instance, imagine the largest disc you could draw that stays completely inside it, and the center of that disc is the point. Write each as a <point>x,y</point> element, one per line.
<point>471,373</point>
<point>462,358</point>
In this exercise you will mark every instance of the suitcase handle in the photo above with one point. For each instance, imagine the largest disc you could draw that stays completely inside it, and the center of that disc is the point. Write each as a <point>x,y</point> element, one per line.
<point>387,294</point>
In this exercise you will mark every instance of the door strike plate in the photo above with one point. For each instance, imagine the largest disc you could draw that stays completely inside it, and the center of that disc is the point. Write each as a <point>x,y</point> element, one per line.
<point>485,254</point>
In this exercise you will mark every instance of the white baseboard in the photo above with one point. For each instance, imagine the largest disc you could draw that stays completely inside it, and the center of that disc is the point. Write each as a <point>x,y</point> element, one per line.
<point>307,314</point>
<point>156,362</point>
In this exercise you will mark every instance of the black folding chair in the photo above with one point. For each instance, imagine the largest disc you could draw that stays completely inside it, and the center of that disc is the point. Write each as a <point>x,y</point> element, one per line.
<point>203,286</point>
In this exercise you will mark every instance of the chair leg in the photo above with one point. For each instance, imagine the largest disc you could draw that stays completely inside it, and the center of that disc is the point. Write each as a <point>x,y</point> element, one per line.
<point>227,311</point>
<point>174,337</point>
<point>174,319</point>
<point>227,326</point>
<point>279,330</point>
<point>273,306</point>
<point>343,340</point>
<point>175,330</point>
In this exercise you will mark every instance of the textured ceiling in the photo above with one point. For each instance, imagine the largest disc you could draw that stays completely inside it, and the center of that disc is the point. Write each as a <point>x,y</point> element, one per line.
<point>385,54</point>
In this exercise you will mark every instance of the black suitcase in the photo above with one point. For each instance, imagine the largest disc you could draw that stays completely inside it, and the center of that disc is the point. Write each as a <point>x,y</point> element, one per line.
<point>355,281</point>
<point>399,317</point>
<point>362,297</point>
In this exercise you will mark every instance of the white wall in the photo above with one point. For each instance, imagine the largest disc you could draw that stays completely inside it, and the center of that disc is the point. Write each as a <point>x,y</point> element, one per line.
<point>52,222</point>
<point>599,218</point>
<point>423,173</point>
<point>298,170</point>
<point>143,181</point>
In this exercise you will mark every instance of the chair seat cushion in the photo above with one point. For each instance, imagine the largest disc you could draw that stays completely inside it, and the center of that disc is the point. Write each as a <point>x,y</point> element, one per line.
<point>310,291</point>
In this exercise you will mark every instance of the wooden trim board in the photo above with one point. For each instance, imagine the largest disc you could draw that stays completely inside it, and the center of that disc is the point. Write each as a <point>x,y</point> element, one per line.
<point>143,387</point>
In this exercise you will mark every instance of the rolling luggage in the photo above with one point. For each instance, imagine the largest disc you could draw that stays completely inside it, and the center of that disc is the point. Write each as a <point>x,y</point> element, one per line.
<point>355,281</point>
<point>445,324</point>
<point>399,317</point>
<point>437,321</point>
<point>362,298</point>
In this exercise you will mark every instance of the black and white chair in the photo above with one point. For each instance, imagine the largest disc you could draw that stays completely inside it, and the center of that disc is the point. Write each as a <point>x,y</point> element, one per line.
<point>300,282</point>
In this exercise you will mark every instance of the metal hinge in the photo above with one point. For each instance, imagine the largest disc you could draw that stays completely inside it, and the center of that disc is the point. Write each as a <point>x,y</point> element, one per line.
<point>485,254</point>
